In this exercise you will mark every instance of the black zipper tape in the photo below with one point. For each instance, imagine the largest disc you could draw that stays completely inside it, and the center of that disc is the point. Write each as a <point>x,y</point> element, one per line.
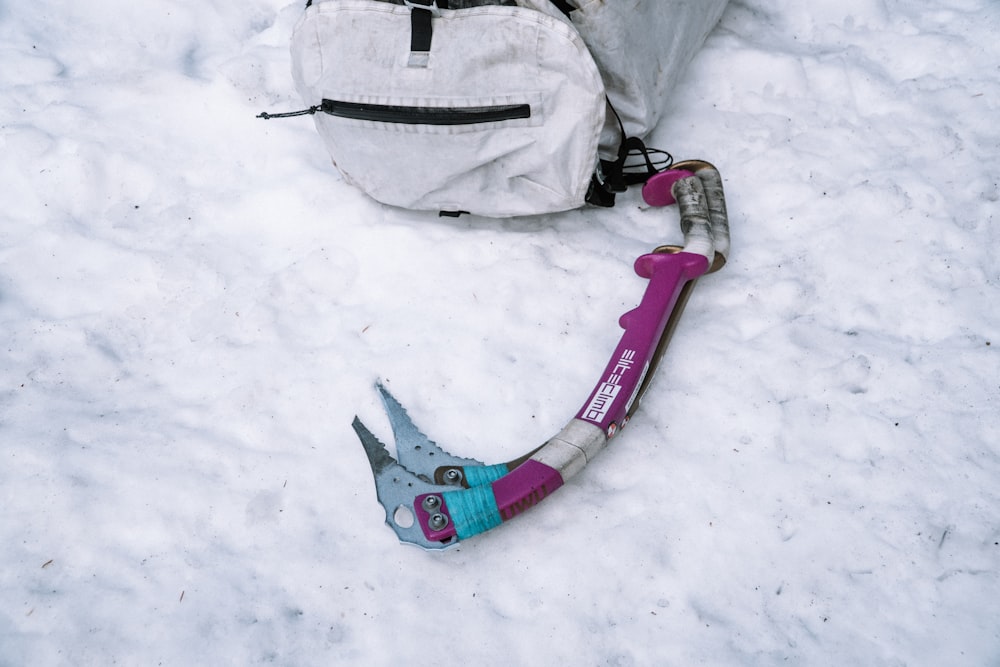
<point>389,113</point>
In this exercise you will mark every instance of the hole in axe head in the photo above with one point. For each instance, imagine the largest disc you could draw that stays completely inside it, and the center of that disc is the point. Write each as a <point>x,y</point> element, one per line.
<point>403,516</point>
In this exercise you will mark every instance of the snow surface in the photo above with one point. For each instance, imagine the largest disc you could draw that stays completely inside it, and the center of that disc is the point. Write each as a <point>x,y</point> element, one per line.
<point>193,307</point>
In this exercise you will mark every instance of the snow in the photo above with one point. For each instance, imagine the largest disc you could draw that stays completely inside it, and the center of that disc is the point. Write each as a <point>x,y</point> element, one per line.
<point>194,306</point>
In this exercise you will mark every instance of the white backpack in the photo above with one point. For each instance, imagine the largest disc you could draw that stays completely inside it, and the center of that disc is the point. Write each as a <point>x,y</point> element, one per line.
<point>492,107</point>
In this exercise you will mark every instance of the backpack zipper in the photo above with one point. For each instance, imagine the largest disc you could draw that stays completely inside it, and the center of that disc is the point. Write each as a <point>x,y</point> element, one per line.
<point>390,113</point>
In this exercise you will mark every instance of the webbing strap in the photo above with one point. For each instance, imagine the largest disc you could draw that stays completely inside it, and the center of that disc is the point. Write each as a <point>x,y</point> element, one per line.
<point>563,6</point>
<point>421,30</point>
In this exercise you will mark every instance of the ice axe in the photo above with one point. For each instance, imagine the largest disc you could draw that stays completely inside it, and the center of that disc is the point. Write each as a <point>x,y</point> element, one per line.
<point>433,499</point>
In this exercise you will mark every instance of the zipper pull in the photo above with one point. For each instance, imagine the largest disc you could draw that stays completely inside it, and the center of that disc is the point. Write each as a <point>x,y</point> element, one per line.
<point>288,114</point>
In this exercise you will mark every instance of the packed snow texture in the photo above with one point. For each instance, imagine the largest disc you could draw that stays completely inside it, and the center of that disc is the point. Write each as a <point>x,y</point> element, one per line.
<point>194,306</point>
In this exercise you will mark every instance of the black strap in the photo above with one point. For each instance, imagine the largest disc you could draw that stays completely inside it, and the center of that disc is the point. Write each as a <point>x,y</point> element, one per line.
<point>598,192</point>
<point>421,30</point>
<point>563,6</point>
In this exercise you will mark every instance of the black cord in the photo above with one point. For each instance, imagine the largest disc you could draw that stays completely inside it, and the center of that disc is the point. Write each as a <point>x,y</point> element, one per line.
<point>288,114</point>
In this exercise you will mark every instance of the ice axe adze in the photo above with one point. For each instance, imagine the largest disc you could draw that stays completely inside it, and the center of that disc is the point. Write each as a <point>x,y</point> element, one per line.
<point>434,499</point>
